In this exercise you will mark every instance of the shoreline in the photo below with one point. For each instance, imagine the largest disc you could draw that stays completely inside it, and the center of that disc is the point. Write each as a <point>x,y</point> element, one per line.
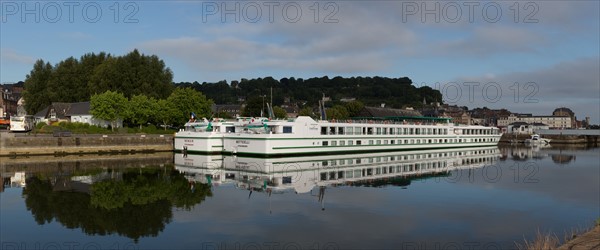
<point>15,146</point>
<point>587,240</point>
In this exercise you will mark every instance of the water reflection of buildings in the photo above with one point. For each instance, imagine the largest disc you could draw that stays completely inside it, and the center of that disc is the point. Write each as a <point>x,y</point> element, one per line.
<point>526,153</point>
<point>303,174</point>
<point>14,180</point>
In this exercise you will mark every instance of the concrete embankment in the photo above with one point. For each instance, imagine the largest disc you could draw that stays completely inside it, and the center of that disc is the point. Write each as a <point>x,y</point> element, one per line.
<point>14,146</point>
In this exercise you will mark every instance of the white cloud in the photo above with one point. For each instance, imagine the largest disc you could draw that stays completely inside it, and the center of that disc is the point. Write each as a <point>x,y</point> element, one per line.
<point>574,84</point>
<point>12,56</point>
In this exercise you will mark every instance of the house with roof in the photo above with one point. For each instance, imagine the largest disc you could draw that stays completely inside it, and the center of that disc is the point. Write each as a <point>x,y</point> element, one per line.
<point>71,112</point>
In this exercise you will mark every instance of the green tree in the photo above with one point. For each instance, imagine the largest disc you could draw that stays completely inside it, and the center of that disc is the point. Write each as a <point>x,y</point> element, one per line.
<point>165,112</point>
<point>337,112</point>
<point>187,100</point>
<point>142,109</point>
<point>306,111</point>
<point>279,112</point>
<point>110,106</point>
<point>354,107</point>
<point>254,106</point>
<point>36,82</point>
<point>133,74</point>
<point>66,83</point>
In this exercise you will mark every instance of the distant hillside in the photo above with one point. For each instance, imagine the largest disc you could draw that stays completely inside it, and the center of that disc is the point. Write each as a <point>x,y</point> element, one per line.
<point>372,91</point>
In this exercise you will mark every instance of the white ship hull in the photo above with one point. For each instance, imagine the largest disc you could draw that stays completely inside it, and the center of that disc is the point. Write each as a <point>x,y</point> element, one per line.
<point>199,142</point>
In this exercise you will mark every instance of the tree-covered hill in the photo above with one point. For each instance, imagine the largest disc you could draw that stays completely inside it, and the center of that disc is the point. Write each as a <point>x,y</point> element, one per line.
<point>395,92</point>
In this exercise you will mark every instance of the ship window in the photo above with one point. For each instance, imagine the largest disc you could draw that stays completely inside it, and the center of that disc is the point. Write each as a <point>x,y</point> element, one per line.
<point>333,143</point>
<point>340,130</point>
<point>411,131</point>
<point>325,143</point>
<point>323,130</point>
<point>287,129</point>
<point>357,130</point>
<point>323,176</point>
<point>286,180</point>
<point>392,142</point>
<point>350,142</point>
<point>358,142</point>
<point>369,131</point>
<point>349,174</point>
<point>392,131</point>
<point>342,143</point>
<point>332,130</point>
<point>230,129</point>
<point>349,130</point>
<point>385,141</point>
<point>378,142</point>
<point>417,131</point>
<point>385,131</point>
<point>357,173</point>
<point>370,142</point>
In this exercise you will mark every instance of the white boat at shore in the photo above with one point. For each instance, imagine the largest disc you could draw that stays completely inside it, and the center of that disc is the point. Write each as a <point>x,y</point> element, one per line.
<point>537,140</point>
<point>206,136</point>
<point>305,136</point>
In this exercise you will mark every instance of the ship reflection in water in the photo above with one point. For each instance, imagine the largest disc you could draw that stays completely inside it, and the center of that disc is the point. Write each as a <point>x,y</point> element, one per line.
<point>315,173</point>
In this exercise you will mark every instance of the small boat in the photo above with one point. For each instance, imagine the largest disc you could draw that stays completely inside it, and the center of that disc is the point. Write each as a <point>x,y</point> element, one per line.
<point>537,140</point>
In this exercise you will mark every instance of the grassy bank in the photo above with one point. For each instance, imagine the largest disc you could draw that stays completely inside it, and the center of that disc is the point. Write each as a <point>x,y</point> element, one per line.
<point>84,128</point>
<point>575,239</point>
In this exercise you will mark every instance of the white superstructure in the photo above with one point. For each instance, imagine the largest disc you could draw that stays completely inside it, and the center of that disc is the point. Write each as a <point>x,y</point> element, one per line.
<point>305,136</point>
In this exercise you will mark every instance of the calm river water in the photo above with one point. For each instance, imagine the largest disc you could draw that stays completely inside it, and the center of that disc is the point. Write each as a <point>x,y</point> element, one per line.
<point>442,199</point>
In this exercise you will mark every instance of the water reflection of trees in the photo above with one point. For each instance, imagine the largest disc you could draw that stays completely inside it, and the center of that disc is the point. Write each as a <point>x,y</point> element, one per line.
<point>136,205</point>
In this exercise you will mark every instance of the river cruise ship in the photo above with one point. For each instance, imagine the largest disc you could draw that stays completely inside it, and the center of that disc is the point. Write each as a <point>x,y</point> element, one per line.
<point>305,136</point>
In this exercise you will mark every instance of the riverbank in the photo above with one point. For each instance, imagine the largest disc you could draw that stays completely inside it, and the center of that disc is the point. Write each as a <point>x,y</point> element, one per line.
<point>588,240</point>
<point>76,144</point>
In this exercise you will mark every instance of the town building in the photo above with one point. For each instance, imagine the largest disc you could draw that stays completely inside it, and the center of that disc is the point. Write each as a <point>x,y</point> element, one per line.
<point>525,128</point>
<point>553,122</point>
<point>71,112</point>
<point>8,101</point>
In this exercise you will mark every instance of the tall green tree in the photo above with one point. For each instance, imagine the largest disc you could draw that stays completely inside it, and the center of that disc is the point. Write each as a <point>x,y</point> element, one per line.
<point>354,107</point>
<point>142,109</point>
<point>35,95</point>
<point>110,106</point>
<point>165,112</point>
<point>133,74</point>
<point>337,112</point>
<point>254,106</point>
<point>66,83</point>
<point>187,101</point>
<point>279,112</point>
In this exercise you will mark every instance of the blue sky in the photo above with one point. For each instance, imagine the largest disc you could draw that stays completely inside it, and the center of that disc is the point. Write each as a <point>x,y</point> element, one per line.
<point>552,45</point>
